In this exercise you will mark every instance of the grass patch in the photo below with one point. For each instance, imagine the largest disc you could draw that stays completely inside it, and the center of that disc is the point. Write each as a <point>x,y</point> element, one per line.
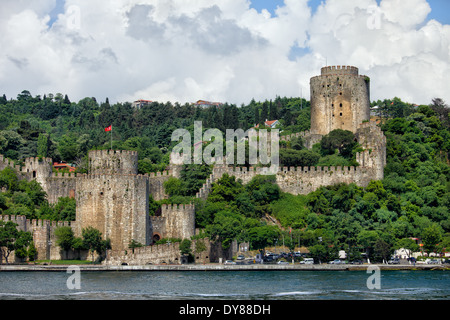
<point>290,210</point>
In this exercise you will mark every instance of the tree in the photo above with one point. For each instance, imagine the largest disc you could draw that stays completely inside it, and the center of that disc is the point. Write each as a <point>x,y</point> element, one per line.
<point>382,250</point>
<point>65,209</point>
<point>42,145</point>
<point>64,238</point>
<point>92,240</point>
<point>343,140</point>
<point>367,239</point>
<point>8,236</point>
<point>8,179</point>
<point>262,236</point>
<point>257,118</point>
<point>431,238</point>
<point>185,249</point>
<point>68,147</point>
<point>134,244</point>
<point>318,252</point>
<point>24,246</point>
<point>298,158</point>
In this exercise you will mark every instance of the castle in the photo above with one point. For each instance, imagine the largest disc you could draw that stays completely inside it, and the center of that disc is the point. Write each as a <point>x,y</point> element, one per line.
<point>114,198</point>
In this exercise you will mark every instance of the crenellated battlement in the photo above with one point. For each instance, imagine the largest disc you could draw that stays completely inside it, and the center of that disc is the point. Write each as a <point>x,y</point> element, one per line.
<point>37,161</point>
<point>16,219</point>
<point>113,162</point>
<point>108,152</point>
<point>159,174</point>
<point>64,175</point>
<point>339,70</point>
<point>105,176</point>
<point>177,207</point>
<point>30,224</point>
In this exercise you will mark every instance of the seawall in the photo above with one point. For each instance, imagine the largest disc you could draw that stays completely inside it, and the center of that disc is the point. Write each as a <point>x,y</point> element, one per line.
<point>223,267</point>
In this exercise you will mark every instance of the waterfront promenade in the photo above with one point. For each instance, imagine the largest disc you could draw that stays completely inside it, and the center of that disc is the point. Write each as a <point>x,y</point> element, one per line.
<point>223,267</point>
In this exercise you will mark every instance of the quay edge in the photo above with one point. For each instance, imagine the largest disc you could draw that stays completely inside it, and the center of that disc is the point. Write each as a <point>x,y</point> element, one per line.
<point>220,267</point>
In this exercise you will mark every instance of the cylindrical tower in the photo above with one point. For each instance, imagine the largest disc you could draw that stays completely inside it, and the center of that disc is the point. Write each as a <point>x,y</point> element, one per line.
<point>340,99</point>
<point>113,162</point>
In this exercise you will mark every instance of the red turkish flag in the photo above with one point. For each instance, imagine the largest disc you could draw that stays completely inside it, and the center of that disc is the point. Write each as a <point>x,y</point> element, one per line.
<point>109,128</point>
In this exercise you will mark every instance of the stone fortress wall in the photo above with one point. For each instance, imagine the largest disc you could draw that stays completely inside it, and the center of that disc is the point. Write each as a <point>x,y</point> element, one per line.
<point>114,199</point>
<point>43,232</point>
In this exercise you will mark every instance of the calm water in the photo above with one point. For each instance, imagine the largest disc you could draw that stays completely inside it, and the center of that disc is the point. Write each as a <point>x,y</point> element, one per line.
<point>253,285</point>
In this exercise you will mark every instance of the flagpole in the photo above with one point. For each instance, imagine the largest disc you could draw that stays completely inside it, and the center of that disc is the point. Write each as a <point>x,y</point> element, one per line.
<point>111,137</point>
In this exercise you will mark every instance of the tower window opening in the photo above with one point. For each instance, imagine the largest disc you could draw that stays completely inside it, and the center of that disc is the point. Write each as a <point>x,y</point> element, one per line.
<point>340,105</point>
<point>340,114</point>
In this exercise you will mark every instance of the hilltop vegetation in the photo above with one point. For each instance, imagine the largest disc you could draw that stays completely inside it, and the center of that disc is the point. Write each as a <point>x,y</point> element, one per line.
<point>413,200</point>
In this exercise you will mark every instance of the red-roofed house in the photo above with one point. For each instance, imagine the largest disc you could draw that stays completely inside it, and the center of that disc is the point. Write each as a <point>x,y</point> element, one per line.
<point>272,123</point>
<point>63,166</point>
<point>203,103</point>
<point>140,103</point>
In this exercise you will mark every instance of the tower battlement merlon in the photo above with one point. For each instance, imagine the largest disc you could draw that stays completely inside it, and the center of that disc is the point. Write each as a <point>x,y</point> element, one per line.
<point>113,162</point>
<point>336,70</point>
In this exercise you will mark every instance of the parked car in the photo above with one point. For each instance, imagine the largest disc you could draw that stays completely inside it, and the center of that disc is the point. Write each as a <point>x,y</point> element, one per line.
<point>240,257</point>
<point>268,259</point>
<point>432,261</point>
<point>307,261</point>
<point>282,262</point>
<point>230,262</point>
<point>356,262</point>
<point>447,261</point>
<point>394,261</point>
<point>337,261</point>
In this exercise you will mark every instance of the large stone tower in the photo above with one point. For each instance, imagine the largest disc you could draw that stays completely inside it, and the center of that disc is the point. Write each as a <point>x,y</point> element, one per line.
<point>340,99</point>
<point>114,199</point>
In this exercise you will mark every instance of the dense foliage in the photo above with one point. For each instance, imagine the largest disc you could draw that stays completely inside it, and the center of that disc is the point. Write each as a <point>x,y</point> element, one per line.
<point>412,201</point>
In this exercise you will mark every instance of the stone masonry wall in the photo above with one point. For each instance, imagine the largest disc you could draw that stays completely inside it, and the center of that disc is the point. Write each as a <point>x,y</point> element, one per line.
<point>60,185</point>
<point>165,253</point>
<point>43,232</point>
<point>116,205</point>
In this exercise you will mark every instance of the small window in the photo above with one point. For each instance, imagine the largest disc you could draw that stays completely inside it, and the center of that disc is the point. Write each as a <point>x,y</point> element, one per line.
<point>340,105</point>
<point>340,93</point>
<point>340,114</point>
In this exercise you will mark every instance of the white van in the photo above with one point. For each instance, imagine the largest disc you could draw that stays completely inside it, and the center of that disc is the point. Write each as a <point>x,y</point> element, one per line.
<point>307,261</point>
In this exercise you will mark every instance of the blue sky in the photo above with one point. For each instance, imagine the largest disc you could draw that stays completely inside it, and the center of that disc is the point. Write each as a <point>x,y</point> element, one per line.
<point>440,9</point>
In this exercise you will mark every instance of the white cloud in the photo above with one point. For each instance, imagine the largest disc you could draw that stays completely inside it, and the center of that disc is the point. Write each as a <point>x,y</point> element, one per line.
<point>219,50</point>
